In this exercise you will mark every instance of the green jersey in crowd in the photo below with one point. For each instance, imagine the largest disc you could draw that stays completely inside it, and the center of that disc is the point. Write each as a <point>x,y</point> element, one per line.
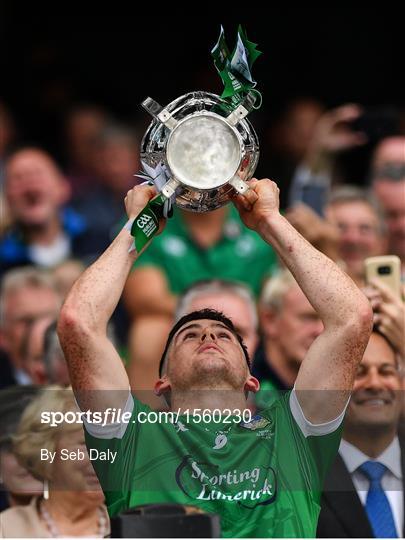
<point>239,255</point>
<point>262,476</point>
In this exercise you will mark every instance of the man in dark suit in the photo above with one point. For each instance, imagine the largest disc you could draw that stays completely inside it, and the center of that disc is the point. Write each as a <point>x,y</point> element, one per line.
<point>364,491</point>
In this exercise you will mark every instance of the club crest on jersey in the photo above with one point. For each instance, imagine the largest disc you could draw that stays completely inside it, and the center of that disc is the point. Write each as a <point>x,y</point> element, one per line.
<point>257,422</point>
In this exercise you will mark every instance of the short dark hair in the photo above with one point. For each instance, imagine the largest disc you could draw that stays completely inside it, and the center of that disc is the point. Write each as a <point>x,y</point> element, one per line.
<point>376,330</point>
<point>210,314</point>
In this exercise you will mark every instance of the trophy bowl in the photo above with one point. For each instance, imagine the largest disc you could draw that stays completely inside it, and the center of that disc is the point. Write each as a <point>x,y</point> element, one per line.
<point>206,150</point>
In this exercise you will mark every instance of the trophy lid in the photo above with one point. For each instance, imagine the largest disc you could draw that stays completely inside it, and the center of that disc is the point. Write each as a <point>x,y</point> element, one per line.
<point>203,151</point>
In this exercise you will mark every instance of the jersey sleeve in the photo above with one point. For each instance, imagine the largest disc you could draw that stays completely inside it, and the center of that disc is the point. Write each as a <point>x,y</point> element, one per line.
<point>321,441</point>
<point>309,448</point>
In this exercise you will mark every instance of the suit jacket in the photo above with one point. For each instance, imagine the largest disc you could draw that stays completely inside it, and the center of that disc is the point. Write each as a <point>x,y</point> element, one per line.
<point>342,514</point>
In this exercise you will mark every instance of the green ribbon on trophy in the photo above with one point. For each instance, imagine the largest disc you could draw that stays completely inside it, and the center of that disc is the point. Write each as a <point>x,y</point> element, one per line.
<point>146,224</point>
<point>235,70</point>
<point>239,89</point>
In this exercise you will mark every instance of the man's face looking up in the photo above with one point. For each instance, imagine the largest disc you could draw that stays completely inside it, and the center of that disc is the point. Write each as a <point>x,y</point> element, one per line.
<point>206,354</point>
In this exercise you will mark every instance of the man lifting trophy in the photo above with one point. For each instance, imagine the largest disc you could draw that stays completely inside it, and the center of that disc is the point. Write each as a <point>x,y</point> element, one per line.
<point>261,474</point>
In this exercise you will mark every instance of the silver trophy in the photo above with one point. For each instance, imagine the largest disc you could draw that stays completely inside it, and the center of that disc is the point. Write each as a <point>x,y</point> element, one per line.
<point>201,150</point>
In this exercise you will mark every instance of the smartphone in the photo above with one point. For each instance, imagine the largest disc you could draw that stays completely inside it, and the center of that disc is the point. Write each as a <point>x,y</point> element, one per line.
<point>386,268</point>
<point>313,195</point>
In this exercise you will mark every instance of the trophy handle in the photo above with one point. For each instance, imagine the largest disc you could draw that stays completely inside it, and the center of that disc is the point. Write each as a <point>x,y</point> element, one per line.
<point>170,187</point>
<point>239,185</point>
<point>242,109</point>
<point>237,115</point>
<point>158,112</point>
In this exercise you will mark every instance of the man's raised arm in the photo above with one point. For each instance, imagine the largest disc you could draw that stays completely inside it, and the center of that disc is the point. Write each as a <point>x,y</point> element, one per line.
<point>94,364</point>
<point>327,373</point>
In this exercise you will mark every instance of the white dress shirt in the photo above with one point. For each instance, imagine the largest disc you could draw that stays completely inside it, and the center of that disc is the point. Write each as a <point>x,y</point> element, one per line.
<point>391,481</point>
<point>53,254</point>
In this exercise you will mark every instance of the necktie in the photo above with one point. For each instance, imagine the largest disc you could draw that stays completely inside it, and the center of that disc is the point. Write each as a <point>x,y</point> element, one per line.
<point>377,505</point>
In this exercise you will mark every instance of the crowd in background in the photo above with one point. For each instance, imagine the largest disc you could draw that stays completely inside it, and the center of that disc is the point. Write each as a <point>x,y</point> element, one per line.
<point>57,219</point>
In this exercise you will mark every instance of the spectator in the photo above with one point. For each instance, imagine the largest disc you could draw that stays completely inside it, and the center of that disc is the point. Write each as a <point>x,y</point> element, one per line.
<point>389,151</point>
<point>44,232</point>
<point>26,294</point>
<point>33,351</point>
<point>362,231</point>
<point>353,230</point>
<point>388,183</point>
<point>55,364</point>
<point>332,135</point>
<point>117,162</point>
<point>83,125</point>
<point>389,320</point>
<point>289,325</point>
<point>364,491</point>
<point>17,486</point>
<point>72,502</point>
<point>288,139</point>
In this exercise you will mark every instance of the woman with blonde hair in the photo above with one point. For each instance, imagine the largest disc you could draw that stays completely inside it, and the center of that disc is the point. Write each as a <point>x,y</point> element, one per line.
<point>72,503</point>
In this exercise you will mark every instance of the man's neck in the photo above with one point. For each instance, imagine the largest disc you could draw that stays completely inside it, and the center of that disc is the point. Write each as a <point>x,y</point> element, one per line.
<point>44,234</point>
<point>371,442</point>
<point>286,369</point>
<point>206,229</point>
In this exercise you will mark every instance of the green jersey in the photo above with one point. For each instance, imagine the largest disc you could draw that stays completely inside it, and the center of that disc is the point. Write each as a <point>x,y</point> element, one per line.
<point>263,477</point>
<point>267,393</point>
<point>239,255</point>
